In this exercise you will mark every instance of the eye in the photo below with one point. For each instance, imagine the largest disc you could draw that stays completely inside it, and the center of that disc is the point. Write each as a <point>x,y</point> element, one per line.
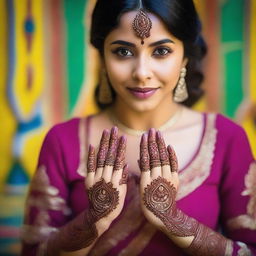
<point>123,52</point>
<point>162,51</point>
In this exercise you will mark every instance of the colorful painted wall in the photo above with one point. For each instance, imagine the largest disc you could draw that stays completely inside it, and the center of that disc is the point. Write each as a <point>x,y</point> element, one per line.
<point>48,72</point>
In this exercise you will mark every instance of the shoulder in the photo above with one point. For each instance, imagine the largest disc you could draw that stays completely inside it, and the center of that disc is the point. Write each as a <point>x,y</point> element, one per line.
<point>66,132</point>
<point>227,128</point>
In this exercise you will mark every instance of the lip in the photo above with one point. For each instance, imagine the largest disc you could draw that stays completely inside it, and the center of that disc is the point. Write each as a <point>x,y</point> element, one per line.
<point>142,93</point>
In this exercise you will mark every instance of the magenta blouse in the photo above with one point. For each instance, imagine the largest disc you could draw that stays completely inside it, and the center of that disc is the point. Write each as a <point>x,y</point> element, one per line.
<point>218,188</point>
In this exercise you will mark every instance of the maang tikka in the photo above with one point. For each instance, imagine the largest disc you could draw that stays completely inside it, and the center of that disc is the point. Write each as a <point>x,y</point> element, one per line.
<point>142,24</point>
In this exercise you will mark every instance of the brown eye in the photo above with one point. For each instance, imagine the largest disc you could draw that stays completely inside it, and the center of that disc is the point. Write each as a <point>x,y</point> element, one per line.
<point>123,52</point>
<point>162,51</point>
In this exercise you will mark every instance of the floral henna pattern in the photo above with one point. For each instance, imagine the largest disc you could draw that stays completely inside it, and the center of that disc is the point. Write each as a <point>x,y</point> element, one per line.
<point>144,156</point>
<point>164,157</point>
<point>91,163</point>
<point>111,155</point>
<point>125,176</point>
<point>120,157</point>
<point>173,159</point>
<point>103,149</point>
<point>103,198</point>
<point>153,150</point>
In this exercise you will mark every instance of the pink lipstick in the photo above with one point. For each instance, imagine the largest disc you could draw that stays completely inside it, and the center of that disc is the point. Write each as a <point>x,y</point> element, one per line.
<point>142,93</point>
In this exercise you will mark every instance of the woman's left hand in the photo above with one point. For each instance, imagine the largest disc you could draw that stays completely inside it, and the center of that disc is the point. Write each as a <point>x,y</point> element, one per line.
<point>159,178</point>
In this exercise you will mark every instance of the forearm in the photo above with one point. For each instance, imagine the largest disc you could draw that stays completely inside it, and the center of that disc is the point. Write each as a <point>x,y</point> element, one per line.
<point>75,238</point>
<point>194,237</point>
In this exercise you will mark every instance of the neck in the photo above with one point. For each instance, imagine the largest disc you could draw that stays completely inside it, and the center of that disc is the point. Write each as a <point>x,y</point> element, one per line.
<point>144,120</point>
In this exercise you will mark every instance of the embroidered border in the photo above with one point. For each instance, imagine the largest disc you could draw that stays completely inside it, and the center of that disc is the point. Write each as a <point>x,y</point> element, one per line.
<point>199,170</point>
<point>244,250</point>
<point>247,220</point>
<point>43,197</point>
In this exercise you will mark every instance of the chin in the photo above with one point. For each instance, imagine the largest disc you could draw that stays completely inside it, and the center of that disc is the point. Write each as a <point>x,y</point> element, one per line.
<point>143,106</point>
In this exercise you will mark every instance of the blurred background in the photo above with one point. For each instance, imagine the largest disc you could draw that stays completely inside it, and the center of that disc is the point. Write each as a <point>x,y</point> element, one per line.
<point>48,72</point>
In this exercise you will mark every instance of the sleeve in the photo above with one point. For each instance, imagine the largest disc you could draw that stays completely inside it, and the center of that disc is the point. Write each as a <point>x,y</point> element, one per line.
<point>46,208</point>
<point>238,194</point>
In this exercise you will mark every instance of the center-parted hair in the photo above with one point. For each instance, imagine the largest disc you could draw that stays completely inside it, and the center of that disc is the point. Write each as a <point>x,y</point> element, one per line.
<point>181,20</point>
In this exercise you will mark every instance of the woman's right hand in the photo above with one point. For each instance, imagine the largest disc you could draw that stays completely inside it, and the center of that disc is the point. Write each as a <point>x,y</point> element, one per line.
<point>107,176</point>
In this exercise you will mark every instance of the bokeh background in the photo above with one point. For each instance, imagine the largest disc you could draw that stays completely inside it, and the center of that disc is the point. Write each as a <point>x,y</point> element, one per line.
<point>48,72</point>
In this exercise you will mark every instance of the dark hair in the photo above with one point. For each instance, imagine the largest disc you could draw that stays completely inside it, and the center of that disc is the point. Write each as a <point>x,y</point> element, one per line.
<point>182,21</point>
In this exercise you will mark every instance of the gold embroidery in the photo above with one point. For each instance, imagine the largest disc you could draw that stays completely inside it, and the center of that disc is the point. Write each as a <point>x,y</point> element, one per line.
<point>229,248</point>
<point>247,220</point>
<point>138,243</point>
<point>82,170</point>
<point>199,170</point>
<point>43,197</point>
<point>244,250</point>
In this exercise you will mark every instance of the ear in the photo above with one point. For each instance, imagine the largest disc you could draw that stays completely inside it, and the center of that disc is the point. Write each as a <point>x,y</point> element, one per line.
<point>184,62</point>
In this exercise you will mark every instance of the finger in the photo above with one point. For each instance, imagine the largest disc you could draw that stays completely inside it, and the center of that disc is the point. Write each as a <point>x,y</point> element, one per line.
<point>173,159</point>
<point>103,149</point>
<point>155,164</point>
<point>120,155</point>
<point>144,158</point>
<point>125,176</point>
<point>111,155</point>
<point>91,166</point>
<point>164,157</point>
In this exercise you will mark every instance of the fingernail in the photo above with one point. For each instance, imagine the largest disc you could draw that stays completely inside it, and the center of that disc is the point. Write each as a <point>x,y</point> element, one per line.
<point>105,132</point>
<point>114,130</point>
<point>158,135</point>
<point>123,139</point>
<point>91,148</point>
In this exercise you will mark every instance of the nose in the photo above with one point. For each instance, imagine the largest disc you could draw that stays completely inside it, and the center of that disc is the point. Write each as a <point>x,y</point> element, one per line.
<point>142,71</point>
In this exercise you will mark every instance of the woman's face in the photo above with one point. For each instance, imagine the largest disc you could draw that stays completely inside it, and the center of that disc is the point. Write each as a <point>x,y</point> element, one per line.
<point>143,76</point>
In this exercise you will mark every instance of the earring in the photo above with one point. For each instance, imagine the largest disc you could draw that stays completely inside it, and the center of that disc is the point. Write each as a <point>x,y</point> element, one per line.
<point>105,95</point>
<point>181,92</point>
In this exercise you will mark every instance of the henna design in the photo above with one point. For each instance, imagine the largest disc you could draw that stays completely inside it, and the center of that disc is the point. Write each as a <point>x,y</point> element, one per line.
<point>208,242</point>
<point>159,198</point>
<point>153,150</point>
<point>164,158</point>
<point>103,149</point>
<point>125,176</point>
<point>103,198</point>
<point>111,155</point>
<point>77,234</point>
<point>142,25</point>
<point>173,159</point>
<point>91,163</point>
<point>144,156</point>
<point>120,157</point>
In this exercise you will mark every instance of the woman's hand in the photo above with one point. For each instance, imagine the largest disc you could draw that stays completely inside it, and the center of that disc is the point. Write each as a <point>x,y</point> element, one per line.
<point>159,179</point>
<point>106,181</point>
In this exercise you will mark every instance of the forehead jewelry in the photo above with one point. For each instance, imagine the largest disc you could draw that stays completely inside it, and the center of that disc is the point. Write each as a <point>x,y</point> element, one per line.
<point>142,24</point>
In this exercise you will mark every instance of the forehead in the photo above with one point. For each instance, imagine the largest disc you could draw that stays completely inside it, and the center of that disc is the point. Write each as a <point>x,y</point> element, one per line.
<point>125,30</point>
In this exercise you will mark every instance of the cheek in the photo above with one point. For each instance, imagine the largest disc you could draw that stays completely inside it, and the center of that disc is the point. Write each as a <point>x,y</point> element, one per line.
<point>117,72</point>
<point>168,73</point>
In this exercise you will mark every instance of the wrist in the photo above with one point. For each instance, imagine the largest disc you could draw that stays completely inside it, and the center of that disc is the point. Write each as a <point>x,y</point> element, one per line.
<point>102,226</point>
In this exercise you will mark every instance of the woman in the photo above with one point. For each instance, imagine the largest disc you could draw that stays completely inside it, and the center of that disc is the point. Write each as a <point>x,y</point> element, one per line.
<point>151,52</point>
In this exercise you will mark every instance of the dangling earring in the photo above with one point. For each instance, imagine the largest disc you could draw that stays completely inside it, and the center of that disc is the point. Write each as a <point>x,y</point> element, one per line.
<point>105,95</point>
<point>181,93</point>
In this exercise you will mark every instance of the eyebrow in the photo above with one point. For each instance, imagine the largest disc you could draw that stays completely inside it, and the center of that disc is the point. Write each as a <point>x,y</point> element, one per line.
<point>163,41</point>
